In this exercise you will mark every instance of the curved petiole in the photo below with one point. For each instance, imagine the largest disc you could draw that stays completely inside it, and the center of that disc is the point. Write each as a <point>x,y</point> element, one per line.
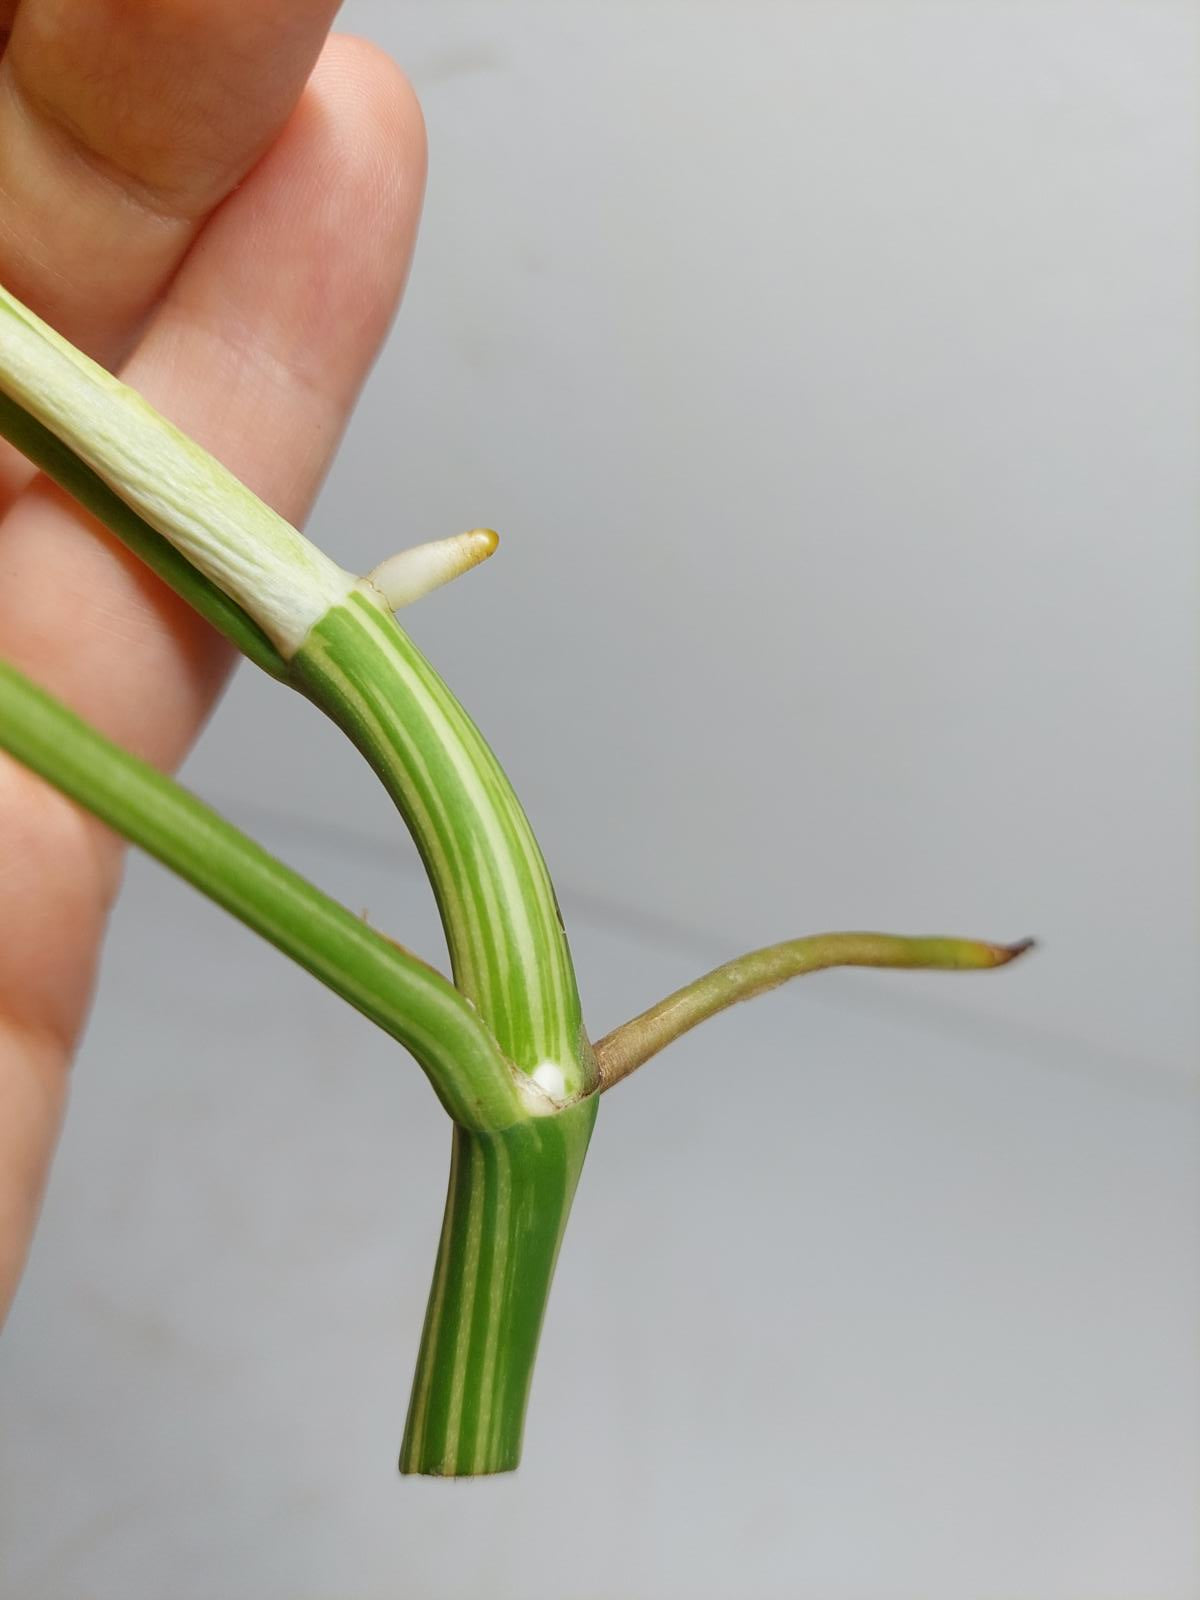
<point>628,1047</point>
<point>406,998</point>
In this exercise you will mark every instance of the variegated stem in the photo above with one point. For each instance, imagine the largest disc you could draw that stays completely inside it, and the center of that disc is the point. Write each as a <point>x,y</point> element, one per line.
<point>513,1173</point>
<point>405,997</point>
<point>305,619</point>
<point>507,944</point>
<point>626,1048</point>
<point>509,1198</point>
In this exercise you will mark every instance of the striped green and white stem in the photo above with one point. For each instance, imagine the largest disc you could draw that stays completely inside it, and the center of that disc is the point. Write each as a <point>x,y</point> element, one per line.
<point>507,943</point>
<point>338,643</point>
<point>509,1198</point>
<point>396,990</point>
<point>513,1174</point>
<point>317,627</point>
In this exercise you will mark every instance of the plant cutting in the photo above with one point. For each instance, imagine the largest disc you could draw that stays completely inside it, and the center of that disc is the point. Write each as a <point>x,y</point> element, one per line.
<point>503,1042</point>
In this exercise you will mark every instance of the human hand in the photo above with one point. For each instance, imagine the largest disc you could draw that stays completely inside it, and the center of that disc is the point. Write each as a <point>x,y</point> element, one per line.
<point>182,204</point>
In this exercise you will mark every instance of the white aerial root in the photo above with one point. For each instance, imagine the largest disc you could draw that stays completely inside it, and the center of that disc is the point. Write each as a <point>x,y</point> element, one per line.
<point>403,578</point>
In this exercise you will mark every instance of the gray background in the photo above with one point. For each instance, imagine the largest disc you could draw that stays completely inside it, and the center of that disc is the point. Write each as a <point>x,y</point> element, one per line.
<point>830,372</point>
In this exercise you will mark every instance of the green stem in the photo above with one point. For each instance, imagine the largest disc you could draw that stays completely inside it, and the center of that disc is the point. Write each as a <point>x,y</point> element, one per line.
<point>509,1197</point>
<point>405,997</point>
<point>625,1049</point>
<point>520,1136</point>
<point>507,944</point>
<point>343,648</point>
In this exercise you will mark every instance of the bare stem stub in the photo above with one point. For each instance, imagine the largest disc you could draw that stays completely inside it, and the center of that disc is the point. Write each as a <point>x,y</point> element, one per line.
<point>628,1047</point>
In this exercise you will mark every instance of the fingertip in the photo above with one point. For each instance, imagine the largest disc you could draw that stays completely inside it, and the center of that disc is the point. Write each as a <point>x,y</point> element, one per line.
<point>375,122</point>
<point>364,145</point>
<point>368,75</point>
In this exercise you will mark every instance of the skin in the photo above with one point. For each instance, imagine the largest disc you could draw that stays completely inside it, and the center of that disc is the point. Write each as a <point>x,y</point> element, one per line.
<point>219,201</point>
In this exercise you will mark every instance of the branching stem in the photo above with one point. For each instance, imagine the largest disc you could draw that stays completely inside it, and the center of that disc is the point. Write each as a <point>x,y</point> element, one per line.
<point>505,1046</point>
<point>398,991</point>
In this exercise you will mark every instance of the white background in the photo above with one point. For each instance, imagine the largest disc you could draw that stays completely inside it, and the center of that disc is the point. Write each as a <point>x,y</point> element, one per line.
<point>830,372</point>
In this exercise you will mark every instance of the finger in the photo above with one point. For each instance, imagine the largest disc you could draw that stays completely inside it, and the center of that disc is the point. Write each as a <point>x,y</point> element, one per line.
<point>258,351</point>
<point>51,879</point>
<point>122,124</point>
